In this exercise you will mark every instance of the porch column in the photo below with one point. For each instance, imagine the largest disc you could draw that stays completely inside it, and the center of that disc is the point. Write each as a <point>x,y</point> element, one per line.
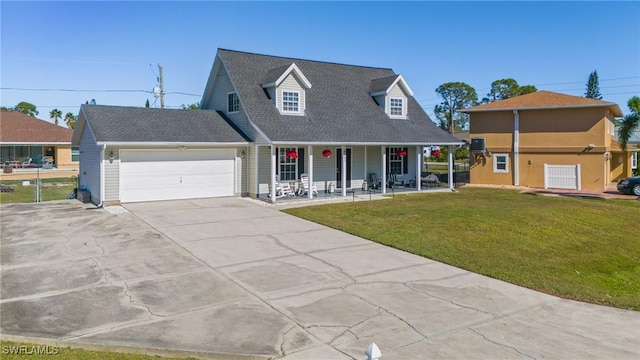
<point>365,165</point>
<point>310,161</point>
<point>273,174</point>
<point>419,165</point>
<point>450,148</point>
<point>256,151</point>
<point>383,176</point>
<point>344,171</point>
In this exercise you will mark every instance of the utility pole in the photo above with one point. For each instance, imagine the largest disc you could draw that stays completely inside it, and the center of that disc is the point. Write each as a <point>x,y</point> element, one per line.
<point>161,87</point>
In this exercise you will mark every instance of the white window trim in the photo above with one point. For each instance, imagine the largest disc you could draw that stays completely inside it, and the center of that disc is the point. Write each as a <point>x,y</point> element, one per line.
<point>634,160</point>
<point>233,112</point>
<point>299,111</point>
<point>404,107</point>
<point>495,163</point>
<point>281,164</point>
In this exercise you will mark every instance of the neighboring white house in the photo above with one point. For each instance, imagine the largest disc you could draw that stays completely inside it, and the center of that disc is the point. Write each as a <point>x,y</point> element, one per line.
<point>263,119</point>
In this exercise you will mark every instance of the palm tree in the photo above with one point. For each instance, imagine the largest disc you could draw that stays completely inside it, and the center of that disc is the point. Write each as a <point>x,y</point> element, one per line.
<point>55,114</point>
<point>630,122</point>
<point>70,119</point>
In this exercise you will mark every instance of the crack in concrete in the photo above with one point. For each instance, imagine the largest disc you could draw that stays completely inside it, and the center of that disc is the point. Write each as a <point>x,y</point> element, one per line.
<point>284,335</point>
<point>102,270</point>
<point>406,284</point>
<point>95,240</point>
<point>502,345</point>
<point>392,314</point>
<point>140,305</point>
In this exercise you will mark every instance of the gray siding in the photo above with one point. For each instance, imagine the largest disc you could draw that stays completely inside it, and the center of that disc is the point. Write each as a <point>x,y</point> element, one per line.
<point>112,175</point>
<point>218,101</point>
<point>90,164</point>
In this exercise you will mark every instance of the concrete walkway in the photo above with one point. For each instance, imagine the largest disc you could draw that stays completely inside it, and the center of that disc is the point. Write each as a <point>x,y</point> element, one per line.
<point>228,278</point>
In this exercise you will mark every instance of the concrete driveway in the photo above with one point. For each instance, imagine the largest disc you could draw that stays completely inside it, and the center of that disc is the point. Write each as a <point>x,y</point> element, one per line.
<point>228,278</point>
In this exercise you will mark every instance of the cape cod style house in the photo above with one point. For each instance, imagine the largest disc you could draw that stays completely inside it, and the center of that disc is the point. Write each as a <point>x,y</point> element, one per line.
<point>264,120</point>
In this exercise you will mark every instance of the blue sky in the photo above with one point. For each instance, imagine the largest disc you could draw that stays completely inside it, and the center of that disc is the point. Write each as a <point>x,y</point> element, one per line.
<point>117,45</point>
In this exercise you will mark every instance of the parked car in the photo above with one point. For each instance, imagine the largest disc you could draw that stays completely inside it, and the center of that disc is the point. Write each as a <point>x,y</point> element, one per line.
<point>630,185</point>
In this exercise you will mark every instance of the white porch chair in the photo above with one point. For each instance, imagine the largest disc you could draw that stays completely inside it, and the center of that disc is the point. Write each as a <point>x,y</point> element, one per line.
<point>282,189</point>
<point>304,180</point>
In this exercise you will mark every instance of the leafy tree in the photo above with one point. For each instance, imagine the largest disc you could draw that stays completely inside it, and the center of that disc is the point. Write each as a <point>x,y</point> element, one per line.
<point>194,106</point>
<point>70,119</point>
<point>593,87</point>
<point>634,104</point>
<point>507,88</point>
<point>630,122</point>
<point>4,108</point>
<point>456,95</point>
<point>26,108</point>
<point>55,115</point>
<point>146,104</point>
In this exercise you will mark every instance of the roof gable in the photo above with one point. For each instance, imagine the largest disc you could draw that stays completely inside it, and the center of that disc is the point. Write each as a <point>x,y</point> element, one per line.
<point>384,86</point>
<point>122,124</point>
<point>16,127</point>
<point>276,76</point>
<point>544,100</point>
<point>339,106</point>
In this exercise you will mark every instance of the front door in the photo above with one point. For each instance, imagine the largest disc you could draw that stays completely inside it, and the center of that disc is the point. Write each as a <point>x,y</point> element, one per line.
<point>339,168</point>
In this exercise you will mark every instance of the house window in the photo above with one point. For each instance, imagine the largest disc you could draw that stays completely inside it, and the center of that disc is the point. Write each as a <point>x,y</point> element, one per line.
<point>290,101</point>
<point>396,162</point>
<point>288,168</point>
<point>634,160</point>
<point>233,103</point>
<point>75,153</point>
<point>500,163</point>
<point>395,107</point>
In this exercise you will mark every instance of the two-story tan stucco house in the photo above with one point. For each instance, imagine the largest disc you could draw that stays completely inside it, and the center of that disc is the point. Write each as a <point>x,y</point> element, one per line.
<point>547,140</point>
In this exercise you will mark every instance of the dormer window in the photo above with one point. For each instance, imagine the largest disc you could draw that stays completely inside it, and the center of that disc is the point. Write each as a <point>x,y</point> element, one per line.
<point>395,107</point>
<point>286,87</point>
<point>233,103</point>
<point>290,101</point>
<point>392,94</point>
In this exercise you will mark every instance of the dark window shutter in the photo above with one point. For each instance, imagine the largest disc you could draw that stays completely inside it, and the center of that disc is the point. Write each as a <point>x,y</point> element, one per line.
<point>405,161</point>
<point>277,161</point>
<point>300,162</point>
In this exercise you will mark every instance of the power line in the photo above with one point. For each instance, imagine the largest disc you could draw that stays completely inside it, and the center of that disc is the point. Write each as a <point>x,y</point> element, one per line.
<point>79,90</point>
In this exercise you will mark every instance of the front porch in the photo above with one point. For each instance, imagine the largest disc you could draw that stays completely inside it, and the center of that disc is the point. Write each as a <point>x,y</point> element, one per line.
<point>393,168</point>
<point>353,195</point>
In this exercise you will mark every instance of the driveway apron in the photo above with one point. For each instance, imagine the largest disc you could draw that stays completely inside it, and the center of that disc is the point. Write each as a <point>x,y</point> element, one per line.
<point>228,277</point>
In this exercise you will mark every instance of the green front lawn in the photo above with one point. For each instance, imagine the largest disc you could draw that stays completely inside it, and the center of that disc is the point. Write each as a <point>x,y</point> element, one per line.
<point>582,249</point>
<point>52,189</point>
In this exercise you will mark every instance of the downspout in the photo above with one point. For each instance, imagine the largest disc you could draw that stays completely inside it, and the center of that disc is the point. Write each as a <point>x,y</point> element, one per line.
<point>104,148</point>
<point>516,148</point>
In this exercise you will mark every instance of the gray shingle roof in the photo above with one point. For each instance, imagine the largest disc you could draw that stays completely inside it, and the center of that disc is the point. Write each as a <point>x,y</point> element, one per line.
<point>132,124</point>
<point>382,84</point>
<point>339,106</point>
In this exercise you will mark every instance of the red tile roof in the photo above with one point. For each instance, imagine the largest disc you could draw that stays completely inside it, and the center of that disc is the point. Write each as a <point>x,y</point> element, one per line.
<point>544,100</point>
<point>17,127</point>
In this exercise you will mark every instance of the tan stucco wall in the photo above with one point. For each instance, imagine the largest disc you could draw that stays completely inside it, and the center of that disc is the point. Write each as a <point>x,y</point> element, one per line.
<point>554,137</point>
<point>63,157</point>
<point>592,170</point>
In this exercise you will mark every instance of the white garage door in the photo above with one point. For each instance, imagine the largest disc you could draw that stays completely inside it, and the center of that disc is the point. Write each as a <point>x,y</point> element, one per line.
<point>174,174</point>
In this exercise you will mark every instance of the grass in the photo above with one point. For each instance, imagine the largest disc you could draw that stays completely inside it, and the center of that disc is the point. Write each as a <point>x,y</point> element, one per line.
<point>52,189</point>
<point>10,351</point>
<point>581,249</point>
